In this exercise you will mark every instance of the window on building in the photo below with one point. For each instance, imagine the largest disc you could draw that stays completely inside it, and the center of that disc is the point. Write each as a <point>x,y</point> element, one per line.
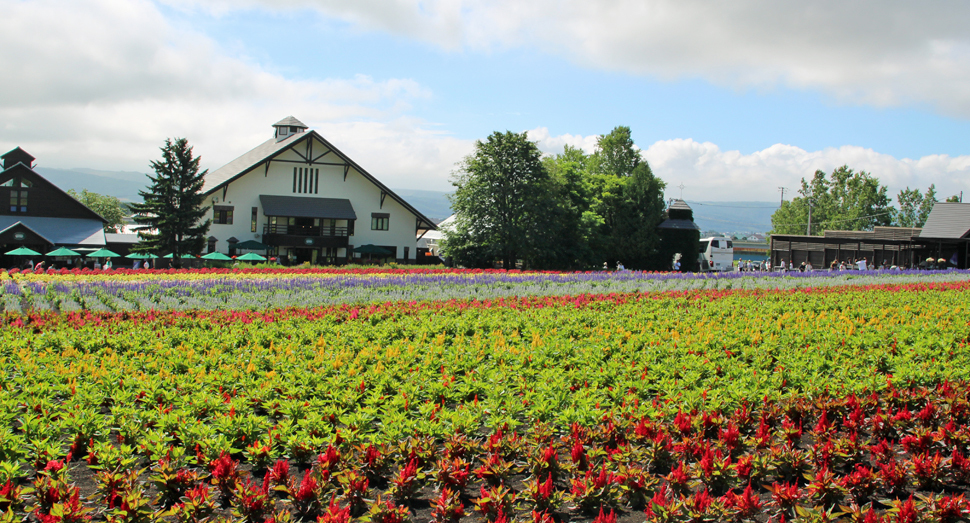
<point>222,215</point>
<point>18,201</point>
<point>211,247</point>
<point>252,225</point>
<point>380,221</point>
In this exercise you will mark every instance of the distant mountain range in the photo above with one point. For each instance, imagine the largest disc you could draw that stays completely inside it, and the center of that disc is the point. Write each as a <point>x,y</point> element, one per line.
<point>122,184</point>
<point>739,218</point>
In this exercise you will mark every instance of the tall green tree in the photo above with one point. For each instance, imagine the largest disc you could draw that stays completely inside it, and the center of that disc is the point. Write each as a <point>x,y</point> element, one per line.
<point>845,200</point>
<point>616,154</point>
<point>109,207</point>
<point>171,216</point>
<point>914,207</point>
<point>501,203</point>
<point>628,199</point>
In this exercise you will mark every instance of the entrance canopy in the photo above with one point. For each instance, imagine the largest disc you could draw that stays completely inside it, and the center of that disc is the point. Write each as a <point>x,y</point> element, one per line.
<point>307,207</point>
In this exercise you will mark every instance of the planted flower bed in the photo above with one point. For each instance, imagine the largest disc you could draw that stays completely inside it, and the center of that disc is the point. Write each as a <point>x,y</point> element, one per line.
<point>220,289</point>
<point>692,405</point>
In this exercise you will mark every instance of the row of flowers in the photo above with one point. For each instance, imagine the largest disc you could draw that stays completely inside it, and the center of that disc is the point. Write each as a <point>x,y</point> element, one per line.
<point>899,455</point>
<point>262,290</point>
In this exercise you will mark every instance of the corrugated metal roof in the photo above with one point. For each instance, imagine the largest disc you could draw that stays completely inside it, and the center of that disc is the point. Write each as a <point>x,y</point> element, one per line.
<point>947,220</point>
<point>307,207</point>
<point>61,231</point>
<point>679,224</point>
<point>290,121</point>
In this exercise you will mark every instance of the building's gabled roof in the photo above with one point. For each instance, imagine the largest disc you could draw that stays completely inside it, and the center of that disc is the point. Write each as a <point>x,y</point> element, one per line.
<point>947,220</point>
<point>20,224</point>
<point>24,159</point>
<point>271,148</point>
<point>248,161</point>
<point>60,231</point>
<point>289,121</point>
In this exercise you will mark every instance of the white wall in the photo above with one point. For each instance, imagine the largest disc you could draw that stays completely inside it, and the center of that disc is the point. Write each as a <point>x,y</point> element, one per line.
<point>243,194</point>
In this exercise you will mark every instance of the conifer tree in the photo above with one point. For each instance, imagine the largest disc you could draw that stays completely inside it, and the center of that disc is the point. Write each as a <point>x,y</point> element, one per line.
<point>170,217</point>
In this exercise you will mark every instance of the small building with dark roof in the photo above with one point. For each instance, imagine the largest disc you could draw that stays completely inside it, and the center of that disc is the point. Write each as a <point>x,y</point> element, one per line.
<point>36,214</point>
<point>680,235</point>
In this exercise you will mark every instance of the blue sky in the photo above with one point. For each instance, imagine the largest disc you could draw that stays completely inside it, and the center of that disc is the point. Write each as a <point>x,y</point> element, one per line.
<point>732,101</point>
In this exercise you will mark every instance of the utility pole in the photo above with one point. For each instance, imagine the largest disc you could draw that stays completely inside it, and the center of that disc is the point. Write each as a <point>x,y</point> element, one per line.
<point>782,189</point>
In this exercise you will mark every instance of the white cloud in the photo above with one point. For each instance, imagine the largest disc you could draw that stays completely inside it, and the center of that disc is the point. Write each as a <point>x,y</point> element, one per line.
<point>868,52</point>
<point>708,173</point>
<point>102,83</point>
<point>556,144</point>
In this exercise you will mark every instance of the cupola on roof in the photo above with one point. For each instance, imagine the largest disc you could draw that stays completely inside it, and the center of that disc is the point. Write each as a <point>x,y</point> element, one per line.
<point>288,127</point>
<point>16,156</point>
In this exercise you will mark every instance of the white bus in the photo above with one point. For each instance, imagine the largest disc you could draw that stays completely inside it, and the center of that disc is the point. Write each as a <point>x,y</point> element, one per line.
<point>716,254</point>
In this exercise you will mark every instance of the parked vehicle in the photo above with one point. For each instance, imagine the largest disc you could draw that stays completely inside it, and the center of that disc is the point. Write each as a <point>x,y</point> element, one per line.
<point>716,254</point>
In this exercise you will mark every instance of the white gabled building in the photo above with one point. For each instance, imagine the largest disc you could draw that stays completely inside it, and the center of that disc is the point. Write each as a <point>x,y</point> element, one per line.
<point>308,201</point>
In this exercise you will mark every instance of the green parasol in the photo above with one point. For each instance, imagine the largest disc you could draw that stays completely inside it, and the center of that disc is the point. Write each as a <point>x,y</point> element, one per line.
<point>251,256</point>
<point>63,251</point>
<point>218,256</point>
<point>103,253</point>
<point>22,251</point>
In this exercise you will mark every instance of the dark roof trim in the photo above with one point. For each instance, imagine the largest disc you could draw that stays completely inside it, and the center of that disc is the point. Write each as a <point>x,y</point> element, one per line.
<point>312,133</point>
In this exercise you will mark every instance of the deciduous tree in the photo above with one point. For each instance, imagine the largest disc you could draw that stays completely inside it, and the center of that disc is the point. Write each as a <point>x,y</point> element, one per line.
<point>109,207</point>
<point>500,202</point>
<point>845,200</point>
<point>914,207</point>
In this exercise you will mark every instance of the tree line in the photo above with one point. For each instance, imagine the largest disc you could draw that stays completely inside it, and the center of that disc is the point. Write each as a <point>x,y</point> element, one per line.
<point>569,211</point>
<point>850,200</point>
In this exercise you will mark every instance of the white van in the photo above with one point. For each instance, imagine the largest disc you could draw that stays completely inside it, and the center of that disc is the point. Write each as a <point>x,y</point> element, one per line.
<point>716,254</point>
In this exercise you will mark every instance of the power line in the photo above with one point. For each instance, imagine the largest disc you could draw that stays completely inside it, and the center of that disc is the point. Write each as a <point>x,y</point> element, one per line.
<point>826,222</point>
<point>823,222</point>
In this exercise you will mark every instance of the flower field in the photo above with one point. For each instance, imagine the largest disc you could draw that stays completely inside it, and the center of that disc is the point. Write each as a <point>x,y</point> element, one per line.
<point>510,397</point>
<point>222,289</point>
